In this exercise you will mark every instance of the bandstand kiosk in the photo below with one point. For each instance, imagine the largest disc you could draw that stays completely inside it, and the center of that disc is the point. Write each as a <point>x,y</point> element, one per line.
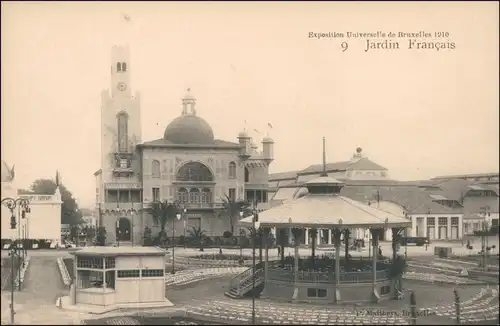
<point>115,277</point>
<point>325,280</point>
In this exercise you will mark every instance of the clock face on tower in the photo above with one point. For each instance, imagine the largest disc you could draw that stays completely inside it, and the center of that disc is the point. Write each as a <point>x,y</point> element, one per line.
<point>122,86</point>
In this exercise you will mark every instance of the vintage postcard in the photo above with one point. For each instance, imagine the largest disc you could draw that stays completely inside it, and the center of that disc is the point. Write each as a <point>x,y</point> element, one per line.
<point>185,163</point>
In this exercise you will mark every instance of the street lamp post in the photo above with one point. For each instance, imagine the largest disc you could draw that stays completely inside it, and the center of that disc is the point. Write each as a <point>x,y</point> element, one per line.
<point>241,245</point>
<point>24,208</point>
<point>178,217</point>
<point>184,221</point>
<point>256,225</point>
<point>118,232</point>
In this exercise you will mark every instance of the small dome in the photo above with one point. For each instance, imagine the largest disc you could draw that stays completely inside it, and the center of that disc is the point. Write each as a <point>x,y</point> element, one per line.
<point>267,139</point>
<point>189,129</point>
<point>243,134</point>
<point>6,175</point>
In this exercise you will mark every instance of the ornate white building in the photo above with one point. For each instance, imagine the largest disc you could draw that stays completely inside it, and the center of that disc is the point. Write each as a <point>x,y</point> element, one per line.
<point>188,164</point>
<point>42,224</point>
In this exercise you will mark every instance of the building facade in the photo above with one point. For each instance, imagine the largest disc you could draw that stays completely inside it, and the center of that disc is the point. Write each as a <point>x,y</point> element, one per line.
<point>43,223</point>
<point>188,165</point>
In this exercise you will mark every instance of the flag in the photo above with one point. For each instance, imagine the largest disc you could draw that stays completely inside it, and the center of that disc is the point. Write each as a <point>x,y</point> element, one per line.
<point>127,18</point>
<point>57,178</point>
<point>12,174</point>
<point>246,122</point>
<point>256,131</point>
<point>270,125</point>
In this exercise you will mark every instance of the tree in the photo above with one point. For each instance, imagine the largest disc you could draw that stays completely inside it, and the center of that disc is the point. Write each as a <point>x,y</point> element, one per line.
<point>70,213</point>
<point>90,233</point>
<point>258,238</point>
<point>101,236</point>
<point>198,236</point>
<point>232,209</point>
<point>162,212</point>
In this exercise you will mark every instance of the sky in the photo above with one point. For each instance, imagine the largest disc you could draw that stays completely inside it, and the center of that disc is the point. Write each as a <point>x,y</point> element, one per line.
<point>420,113</point>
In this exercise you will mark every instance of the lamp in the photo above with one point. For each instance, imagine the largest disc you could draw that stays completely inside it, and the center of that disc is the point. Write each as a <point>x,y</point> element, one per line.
<point>256,224</point>
<point>178,216</point>
<point>241,213</point>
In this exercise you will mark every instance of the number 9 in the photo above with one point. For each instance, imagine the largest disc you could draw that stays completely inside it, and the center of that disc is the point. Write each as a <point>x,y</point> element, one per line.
<point>344,46</point>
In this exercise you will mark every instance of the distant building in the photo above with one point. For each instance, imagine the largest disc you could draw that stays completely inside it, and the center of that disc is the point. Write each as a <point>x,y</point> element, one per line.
<point>443,208</point>
<point>358,168</point>
<point>43,223</point>
<point>484,178</point>
<point>188,165</point>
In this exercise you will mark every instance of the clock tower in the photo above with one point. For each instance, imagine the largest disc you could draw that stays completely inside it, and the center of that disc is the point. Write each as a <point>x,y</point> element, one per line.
<point>119,187</point>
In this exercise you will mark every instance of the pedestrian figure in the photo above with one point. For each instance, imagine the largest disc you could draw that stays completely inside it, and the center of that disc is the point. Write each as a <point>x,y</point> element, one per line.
<point>279,250</point>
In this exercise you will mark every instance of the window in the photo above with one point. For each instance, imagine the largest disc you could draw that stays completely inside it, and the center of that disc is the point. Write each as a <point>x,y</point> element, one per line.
<point>109,262</point>
<point>386,289</point>
<point>232,193</point>
<point>152,273</point>
<point>443,221</point>
<point>194,171</point>
<point>89,262</point>
<point>156,194</point>
<point>194,195</point>
<point>123,163</point>
<point>316,293</point>
<point>118,66</point>
<point>182,195</point>
<point>124,66</point>
<point>110,279</point>
<point>206,196</point>
<point>247,175</point>
<point>90,279</point>
<point>122,132</point>
<point>454,221</point>
<point>232,170</point>
<point>155,169</point>
<point>431,221</point>
<point>129,273</point>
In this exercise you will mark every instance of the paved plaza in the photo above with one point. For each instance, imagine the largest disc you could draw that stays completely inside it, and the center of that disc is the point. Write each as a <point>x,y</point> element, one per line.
<point>199,289</point>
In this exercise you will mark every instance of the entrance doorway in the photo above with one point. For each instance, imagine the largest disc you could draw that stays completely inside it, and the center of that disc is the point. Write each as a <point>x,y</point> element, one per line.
<point>123,230</point>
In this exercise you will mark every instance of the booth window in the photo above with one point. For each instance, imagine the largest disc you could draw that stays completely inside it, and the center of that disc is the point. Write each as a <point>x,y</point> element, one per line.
<point>110,262</point>
<point>316,293</point>
<point>152,272</point>
<point>90,262</point>
<point>110,279</point>
<point>129,273</point>
<point>89,279</point>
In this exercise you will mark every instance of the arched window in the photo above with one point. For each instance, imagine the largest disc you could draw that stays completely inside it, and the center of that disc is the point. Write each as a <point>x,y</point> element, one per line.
<point>232,170</point>
<point>124,66</point>
<point>155,169</point>
<point>118,66</point>
<point>182,195</point>
<point>247,175</point>
<point>194,171</point>
<point>194,195</point>
<point>206,196</point>
<point>122,132</point>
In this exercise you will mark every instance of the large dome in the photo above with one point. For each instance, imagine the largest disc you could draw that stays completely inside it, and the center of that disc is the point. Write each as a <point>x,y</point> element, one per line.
<point>189,129</point>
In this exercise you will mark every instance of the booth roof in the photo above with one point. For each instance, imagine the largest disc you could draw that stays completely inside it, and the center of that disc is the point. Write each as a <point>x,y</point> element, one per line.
<point>120,251</point>
<point>326,211</point>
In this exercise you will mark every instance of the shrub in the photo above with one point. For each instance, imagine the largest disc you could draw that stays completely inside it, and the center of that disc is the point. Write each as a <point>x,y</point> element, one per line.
<point>227,234</point>
<point>221,257</point>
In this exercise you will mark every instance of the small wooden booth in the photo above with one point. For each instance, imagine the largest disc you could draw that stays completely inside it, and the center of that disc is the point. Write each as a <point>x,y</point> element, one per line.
<point>119,277</point>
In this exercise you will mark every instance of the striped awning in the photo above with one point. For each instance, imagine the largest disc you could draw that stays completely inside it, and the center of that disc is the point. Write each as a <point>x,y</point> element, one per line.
<point>255,164</point>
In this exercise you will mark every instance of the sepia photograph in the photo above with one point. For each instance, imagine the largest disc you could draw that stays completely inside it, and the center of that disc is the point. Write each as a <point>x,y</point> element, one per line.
<point>260,163</point>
